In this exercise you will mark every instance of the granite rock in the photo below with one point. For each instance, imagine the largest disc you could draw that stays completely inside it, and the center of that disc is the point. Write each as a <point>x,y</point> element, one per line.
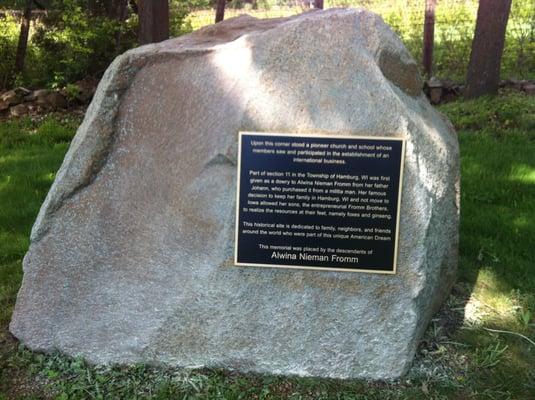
<point>11,97</point>
<point>54,100</point>
<point>19,110</point>
<point>131,253</point>
<point>37,95</point>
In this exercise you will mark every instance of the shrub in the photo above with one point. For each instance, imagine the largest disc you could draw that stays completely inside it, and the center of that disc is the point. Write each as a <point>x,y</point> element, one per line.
<point>506,113</point>
<point>72,45</point>
<point>9,30</point>
<point>178,24</point>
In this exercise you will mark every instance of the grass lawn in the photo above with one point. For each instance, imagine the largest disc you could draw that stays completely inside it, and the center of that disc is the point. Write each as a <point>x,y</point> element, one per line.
<point>480,346</point>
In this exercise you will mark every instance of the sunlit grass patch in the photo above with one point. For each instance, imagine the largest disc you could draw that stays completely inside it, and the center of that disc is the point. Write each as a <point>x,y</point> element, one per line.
<point>523,173</point>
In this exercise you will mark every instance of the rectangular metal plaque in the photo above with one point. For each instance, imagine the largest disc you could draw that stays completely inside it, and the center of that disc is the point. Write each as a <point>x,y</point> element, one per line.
<point>318,201</point>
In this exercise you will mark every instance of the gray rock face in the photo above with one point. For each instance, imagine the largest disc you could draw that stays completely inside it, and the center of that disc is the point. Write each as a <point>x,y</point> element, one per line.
<point>131,254</point>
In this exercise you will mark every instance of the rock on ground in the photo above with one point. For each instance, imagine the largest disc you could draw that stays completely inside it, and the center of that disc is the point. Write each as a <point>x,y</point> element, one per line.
<point>18,111</point>
<point>131,254</point>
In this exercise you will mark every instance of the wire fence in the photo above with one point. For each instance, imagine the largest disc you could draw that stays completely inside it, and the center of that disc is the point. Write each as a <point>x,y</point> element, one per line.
<point>454,29</point>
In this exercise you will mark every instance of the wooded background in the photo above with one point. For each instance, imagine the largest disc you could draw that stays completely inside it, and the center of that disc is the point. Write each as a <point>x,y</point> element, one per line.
<point>53,43</point>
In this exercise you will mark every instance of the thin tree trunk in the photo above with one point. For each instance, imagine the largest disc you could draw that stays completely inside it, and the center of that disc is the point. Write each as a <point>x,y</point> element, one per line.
<point>23,37</point>
<point>153,21</point>
<point>118,11</point>
<point>108,8</point>
<point>220,11</point>
<point>429,36</point>
<point>92,7</point>
<point>120,14</point>
<point>487,48</point>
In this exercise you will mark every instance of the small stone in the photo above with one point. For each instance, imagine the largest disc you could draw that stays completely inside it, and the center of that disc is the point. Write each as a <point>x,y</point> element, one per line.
<point>54,100</point>
<point>36,94</point>
<point>435,94</point>
<point>434,83</point>
<point>529,89</point>
<point>12,97</point>
<point>87,88</point>
<point>22,91</point>
<point>18,111</point>
<point>4,105</point>
<point>519,85</point>
<point>34,108</point>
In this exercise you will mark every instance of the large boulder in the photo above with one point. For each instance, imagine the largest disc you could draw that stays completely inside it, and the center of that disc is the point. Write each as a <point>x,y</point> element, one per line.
<point>131,256</point>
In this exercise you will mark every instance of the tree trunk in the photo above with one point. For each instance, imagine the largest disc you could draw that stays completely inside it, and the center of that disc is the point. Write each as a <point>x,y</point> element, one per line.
<point>220,11</point>
<point>318,4</point>
<point>429,37</point>
<point>153,21</point>
<point>23,37</point>
<point>487,48</point>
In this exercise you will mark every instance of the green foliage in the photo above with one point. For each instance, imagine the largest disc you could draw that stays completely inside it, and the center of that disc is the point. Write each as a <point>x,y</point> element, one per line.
<point>519,51</point>
<point>489,356</point>
<point>453,40</point>
<point>72,91</point>
<point>179,23</point>
<point>495,115</point>
<point>178,11</point>
<point>525,306</point>
<point>9,31</point>
<point>73,44</point>
<point>65,46</point>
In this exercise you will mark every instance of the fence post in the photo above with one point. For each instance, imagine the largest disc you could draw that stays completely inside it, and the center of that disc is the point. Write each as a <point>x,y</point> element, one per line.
<point>429,36</point>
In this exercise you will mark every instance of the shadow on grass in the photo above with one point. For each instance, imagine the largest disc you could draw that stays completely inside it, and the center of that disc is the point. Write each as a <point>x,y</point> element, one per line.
<point>496,283</point>
<point>498,211</point>
<point>497,258</point>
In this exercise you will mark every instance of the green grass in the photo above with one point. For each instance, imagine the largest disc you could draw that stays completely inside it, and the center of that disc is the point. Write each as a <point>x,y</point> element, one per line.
<point>458,358</point>
<point>30,154</point>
